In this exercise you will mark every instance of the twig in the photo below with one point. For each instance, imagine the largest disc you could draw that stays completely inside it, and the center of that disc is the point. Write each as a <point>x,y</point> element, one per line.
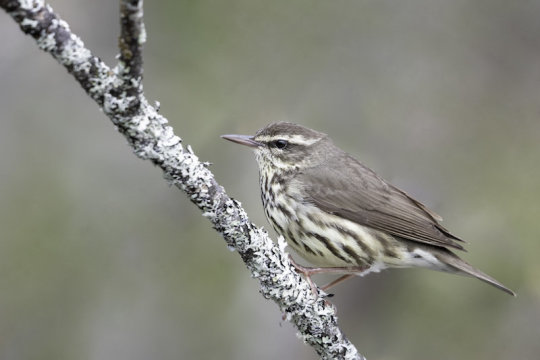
<point>132,36</point>
<point>119,93</point>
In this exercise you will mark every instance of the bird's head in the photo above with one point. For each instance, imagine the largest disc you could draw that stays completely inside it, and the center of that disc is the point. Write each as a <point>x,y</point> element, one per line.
<point>285,146</point>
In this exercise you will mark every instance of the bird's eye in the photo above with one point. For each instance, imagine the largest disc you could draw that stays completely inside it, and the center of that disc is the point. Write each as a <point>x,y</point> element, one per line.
<point>280,144</point>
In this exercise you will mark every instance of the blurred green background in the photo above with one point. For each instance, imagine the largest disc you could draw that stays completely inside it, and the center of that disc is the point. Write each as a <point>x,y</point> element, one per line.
<point>100,259</point>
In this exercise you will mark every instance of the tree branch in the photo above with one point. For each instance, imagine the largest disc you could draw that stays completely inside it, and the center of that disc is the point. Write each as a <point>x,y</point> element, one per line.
<point>132,36</point>
<point>119,93</point>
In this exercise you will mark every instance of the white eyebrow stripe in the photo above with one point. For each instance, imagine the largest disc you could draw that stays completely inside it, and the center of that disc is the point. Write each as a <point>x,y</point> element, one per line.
<point>294,139</point>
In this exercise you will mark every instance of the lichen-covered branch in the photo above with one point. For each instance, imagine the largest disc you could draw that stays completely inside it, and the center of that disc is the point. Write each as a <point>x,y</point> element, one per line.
<point>118,91</point>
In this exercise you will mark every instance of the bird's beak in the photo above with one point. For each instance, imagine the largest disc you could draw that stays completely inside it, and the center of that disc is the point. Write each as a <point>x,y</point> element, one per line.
<point>242,140</point>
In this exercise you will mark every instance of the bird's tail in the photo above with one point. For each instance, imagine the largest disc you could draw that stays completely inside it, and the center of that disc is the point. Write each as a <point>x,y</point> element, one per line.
<point>463,268</point>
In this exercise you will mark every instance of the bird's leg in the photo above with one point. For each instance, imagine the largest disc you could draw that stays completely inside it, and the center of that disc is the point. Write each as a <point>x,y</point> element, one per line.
<point>337,281</point>
<point>309,271</point>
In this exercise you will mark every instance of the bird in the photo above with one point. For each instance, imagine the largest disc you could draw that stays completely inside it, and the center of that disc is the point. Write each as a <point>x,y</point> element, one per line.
<point>340,216</point>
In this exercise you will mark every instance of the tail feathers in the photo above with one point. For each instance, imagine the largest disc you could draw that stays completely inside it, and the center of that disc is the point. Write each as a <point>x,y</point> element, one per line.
<point>463,268</point>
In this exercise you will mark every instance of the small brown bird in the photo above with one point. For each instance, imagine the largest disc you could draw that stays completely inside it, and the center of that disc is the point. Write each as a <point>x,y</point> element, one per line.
<point>340,215</point>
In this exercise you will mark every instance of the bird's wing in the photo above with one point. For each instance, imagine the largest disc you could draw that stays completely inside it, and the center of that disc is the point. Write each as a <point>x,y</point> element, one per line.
<point>344,187</point>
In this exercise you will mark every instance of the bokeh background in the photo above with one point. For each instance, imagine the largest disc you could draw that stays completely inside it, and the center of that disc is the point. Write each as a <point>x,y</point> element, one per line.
<point>100,259</point>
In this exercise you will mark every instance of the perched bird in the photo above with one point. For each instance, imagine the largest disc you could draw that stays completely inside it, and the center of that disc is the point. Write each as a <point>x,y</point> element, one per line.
<point>342,217</point>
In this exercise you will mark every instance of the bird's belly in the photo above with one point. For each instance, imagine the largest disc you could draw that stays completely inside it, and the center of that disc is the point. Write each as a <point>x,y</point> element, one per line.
<point>326,240</point>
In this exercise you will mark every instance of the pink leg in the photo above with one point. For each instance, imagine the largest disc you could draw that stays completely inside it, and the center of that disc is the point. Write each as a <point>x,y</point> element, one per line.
<point>309,271</point>
<point>337,281</point>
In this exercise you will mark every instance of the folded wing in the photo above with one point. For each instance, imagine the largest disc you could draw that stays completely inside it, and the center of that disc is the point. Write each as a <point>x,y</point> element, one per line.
<point>345,187</point>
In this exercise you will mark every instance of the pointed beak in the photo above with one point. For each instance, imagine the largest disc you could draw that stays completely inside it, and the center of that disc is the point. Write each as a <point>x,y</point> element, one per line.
<point>242,140</point>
